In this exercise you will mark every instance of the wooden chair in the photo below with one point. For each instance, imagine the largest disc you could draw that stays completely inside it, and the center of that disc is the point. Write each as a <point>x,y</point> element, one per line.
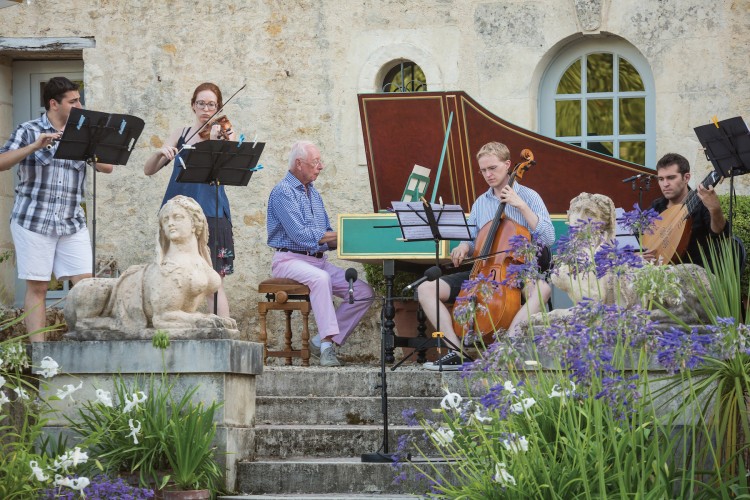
<point>285,295</point>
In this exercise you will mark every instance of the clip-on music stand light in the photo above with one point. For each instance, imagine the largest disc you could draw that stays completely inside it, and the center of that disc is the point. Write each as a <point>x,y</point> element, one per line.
<point>727,147</point>
<point>219,162</point>
<point>94,136</point>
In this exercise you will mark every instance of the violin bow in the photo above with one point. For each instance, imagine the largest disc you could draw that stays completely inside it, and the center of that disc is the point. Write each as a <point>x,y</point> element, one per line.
<point>207,122</point>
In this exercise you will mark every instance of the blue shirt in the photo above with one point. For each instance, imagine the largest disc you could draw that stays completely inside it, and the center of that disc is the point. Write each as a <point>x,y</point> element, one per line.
<point>204,194</point>
<point>49,191</point>
<point>297,218</point>
<point>485,208</point>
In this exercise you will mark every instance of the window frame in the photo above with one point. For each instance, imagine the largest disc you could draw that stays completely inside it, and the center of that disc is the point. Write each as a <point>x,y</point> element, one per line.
<point>578,51</point>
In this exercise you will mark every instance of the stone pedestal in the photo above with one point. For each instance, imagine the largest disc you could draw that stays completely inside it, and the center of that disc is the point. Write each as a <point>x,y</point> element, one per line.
<point>223,370</point>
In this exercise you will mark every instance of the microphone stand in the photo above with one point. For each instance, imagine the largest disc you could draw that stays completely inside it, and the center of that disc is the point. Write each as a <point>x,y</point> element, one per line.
<point>645,185</point>
<point>386,324</point>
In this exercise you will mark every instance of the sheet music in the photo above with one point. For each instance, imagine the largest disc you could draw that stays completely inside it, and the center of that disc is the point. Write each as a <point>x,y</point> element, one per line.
<point>623,236</point>
<point>415,226</point>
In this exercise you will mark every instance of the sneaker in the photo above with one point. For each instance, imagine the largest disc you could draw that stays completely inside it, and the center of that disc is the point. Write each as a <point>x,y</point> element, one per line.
<point>328,358</point>
<point>450,362</point>
<point>314,349</point>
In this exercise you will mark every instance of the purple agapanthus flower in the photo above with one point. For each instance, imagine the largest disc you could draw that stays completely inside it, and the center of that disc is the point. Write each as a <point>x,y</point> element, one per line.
<point>733,338</point>
<point>402,449</point>
<point>679,350</point>
<point>586,339</point>
<point>574,249</point>
<point>100,488</point>
<point>498,356</point>
<point>498,398</point>
<point>475,292</point>
<point>639,221</point>
<point>620,393</point>
<point>526,252</point>
<point>616,260</point>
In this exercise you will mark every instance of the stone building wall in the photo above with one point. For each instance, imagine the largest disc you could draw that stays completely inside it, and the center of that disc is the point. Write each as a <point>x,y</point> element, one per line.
<point>304,62</point>
<point>7,272</point>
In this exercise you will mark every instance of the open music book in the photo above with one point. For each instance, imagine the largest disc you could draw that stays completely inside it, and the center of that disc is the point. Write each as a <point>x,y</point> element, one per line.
<point>622,234</point>
<point>415,225</point>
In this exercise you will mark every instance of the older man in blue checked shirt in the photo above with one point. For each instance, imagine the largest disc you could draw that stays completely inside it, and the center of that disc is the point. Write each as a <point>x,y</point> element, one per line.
<point>300,231</point>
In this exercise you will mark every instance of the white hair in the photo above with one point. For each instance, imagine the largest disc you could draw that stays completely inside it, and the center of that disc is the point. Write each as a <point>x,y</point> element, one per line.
<point>299,150</point>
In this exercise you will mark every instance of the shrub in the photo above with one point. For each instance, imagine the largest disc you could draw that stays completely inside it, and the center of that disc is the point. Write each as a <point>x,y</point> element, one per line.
<point>740,227</point>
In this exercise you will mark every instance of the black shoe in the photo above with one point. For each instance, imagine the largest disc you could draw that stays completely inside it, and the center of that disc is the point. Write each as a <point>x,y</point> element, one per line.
<point>453,361</point>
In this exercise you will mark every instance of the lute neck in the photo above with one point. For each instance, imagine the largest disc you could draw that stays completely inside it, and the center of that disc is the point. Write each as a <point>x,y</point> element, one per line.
<point>692,201</point>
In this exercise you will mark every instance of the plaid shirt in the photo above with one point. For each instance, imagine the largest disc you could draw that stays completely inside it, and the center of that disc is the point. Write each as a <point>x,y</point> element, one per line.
<point>296,219</point>
<point>49,191</point>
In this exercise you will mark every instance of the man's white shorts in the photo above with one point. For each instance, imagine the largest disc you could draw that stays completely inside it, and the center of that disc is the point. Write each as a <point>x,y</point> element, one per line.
<point>40,255</point>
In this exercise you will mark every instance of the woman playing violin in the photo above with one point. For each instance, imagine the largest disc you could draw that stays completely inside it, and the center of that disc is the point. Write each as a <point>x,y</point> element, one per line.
<point>524,207</point>
<point>206,101</point>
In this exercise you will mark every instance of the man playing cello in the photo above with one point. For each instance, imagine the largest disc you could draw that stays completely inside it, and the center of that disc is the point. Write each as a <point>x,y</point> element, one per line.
<point>523,206</point>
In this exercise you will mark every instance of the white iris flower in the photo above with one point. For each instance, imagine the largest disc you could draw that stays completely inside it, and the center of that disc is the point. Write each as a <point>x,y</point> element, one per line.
<point>451,401</point>
<point>130,404</point>
<point>443,436</point>
<point>67,390</point>
<point>49,367</point>
<point>104,397</point>
<point>134,431</point>
<point>502,475</point>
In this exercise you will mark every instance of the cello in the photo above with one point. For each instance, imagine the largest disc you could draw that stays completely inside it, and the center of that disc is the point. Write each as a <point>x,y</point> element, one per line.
<point>671,233</point>
<point>491,259</point>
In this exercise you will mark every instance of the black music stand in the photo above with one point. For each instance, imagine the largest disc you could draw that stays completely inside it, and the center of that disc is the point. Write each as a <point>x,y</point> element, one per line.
<point>422,221</point>
<point>218,163</point>
<point>727,147</point>
<point>418,222</point>
<point>93,136</point>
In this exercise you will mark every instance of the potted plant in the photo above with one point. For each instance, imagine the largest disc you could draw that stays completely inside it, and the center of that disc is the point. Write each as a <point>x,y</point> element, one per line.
<point>195,474</point>
<point>147,433</point>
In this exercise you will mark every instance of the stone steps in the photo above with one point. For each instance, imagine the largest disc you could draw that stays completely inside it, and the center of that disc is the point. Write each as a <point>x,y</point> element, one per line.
<point>356,381</point>
<point>330,476</point>
<point>313,424</point>
<point>320,441</point>
<point>351,410</point>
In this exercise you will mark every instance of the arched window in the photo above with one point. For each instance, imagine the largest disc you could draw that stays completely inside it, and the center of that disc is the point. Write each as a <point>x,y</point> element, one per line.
<point>599,94</point>
<point>405,76</point>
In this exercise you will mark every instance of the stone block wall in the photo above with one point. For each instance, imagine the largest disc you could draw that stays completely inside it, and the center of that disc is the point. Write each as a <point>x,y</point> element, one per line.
<point>304,63</point>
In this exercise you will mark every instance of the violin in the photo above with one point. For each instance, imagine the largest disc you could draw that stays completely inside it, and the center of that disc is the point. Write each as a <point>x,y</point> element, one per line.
<point>224,132</point>
<point>491,259</point>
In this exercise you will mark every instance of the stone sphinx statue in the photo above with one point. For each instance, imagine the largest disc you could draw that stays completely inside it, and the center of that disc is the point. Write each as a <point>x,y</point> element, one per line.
<point>164,294</point>
<point>599,209</point>
<point>686,279</point>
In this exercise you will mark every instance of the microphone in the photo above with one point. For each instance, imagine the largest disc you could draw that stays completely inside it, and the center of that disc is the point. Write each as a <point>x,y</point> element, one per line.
<point>351,277</point>
<point>431,274</point>
<point>636,177</point>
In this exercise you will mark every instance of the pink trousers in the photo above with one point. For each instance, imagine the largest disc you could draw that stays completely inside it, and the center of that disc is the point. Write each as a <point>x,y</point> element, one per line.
<point>325,280</point>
